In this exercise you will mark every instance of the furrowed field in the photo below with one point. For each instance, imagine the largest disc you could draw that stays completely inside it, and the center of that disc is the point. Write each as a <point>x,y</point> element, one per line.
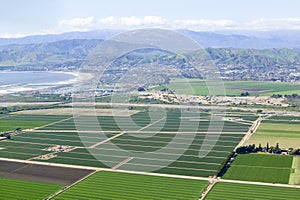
<point>12,122</point>
<point>136,140</point>
<point>234,191</point>
<point>261,168</point>
<point>21,189</point>
<point>113,185</point>
<point>295,175</point>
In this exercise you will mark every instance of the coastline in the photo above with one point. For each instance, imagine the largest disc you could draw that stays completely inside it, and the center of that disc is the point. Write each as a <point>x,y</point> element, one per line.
<point>15,88</point>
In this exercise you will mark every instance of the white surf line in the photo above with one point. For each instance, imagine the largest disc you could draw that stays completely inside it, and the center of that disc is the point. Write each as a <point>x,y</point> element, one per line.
<point>122,163</point>
<point>67,187</point>
<point>122,133</point>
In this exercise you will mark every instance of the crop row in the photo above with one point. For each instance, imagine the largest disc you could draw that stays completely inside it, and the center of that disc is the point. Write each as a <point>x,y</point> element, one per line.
<point>235,191</point>
<point>112,185</point>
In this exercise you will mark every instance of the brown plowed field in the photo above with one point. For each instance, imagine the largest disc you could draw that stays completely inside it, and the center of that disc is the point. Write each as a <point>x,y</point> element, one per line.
<point>41,173</point>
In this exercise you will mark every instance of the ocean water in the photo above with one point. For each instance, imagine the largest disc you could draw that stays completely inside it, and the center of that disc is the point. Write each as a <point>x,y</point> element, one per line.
<point>11,82</point>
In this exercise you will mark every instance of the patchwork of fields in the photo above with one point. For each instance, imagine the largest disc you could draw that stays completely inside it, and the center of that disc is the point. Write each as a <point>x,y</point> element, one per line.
<point>261,168</point>
<point>284,130</point>
<point>234,191</point>
<point>169,144</point>
<point>113,185</point>
<point>187,135</point>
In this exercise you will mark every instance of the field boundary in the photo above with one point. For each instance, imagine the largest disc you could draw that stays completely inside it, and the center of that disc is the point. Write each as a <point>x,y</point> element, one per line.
<point>259,183</point>
<point>250,132</point>
<point>50,124</point>
<point>105,169</point>
<point>71,185</point>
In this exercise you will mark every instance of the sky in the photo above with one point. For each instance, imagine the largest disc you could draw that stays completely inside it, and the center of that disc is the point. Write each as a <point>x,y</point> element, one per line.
<point>28,17</point>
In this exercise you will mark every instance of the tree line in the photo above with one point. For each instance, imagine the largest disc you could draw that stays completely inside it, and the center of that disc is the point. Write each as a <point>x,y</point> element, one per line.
<point>267,149</point>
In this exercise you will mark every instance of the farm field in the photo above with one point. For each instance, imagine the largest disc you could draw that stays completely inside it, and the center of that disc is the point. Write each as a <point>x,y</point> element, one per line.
<point>113,185</point>
<point>11,122</point>
<point>189,163</point>
<point>69,111</point>
<point>232,88</point>
<point>136,142</point>
<point>295,175</point>
<point>284,130</point>
<point>261,168</point>
<point>234,191</point>
<point>21,189</point>
<point>200,121</point>
<point>41,173</point>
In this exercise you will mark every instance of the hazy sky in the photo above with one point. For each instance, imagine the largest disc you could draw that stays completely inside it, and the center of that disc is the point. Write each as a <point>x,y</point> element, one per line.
<point>23,17</point>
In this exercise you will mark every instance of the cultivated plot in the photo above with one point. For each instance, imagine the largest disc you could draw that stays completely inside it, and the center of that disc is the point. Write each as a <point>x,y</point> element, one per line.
<point>295,175</point>
<point>113,185</point>
<point>234,191</point>
<point>192,133</point>
<point>199,87</point>
<point>41,173</point>
<point>189,163</point>
<point>21,189</point>
<point>261,168</point>
<point>284,130</point>
<point>12,122</point>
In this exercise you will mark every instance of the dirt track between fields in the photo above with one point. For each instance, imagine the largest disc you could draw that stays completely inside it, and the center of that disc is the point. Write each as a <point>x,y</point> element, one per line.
<point>41,173</point>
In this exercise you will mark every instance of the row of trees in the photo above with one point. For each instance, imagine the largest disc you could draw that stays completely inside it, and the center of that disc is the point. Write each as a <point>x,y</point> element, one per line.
<point>270,149</point>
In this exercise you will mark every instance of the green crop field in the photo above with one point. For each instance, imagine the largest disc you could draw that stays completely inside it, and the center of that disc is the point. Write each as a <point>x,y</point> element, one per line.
<point>30,144</point>
<point>187,162</point>
<point>20,189</point>
<point>113,185</point>
<point>185,149</point>
<point>6,125</point>
<point>284,130</point>
<point>235,191</point>
<point>295,175</point>
<point>261,168</point>
<point>172,123</point>
<point>11,122</point>
<point>232,88</point>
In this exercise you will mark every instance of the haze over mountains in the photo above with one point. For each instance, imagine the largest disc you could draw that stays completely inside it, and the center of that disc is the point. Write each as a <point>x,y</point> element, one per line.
<point>220,39</point>
<point>267,56</point>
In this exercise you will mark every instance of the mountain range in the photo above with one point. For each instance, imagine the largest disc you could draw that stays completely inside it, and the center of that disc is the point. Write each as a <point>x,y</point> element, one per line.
<point>220,39</point>
<point>238,56</point>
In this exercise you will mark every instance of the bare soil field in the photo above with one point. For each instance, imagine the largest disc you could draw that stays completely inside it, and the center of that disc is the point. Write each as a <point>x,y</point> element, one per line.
<point>41,173</point>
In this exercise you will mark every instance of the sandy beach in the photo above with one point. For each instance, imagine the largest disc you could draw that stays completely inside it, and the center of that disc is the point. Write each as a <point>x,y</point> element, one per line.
<point>15,88</point>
